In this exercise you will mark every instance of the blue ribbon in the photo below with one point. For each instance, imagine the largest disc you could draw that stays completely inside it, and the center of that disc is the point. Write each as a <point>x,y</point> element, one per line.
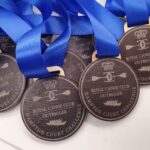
<point>116,7</point>
<point>80,24</point>
<point>33,57</point>
<point>25,8</point>
<point>20,8</point>
<point>148,5</point>
<point>137,12</point>
<point>105,43</point>
<point>45,7</point>
<point>33,60</point>
<point>112,23</point>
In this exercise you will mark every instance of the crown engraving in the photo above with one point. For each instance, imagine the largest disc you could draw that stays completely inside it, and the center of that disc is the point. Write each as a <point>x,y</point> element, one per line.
<point>108,66</point>
<point>141,34</point>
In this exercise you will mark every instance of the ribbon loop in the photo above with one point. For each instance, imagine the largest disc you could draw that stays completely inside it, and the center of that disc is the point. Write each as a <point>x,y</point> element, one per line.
<point>33,56</point>
<point>34,60</point>
<point>105,42</point>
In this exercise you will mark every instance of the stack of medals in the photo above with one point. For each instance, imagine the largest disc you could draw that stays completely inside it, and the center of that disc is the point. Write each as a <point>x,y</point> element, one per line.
<point>57,101</point>
<point>62,113</point>
<point>54,108</point>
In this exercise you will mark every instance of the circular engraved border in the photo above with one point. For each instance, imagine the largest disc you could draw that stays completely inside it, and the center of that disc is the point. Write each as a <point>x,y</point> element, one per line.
<point>81,92</point>
<point>78,57</point>
<point>46,139</point>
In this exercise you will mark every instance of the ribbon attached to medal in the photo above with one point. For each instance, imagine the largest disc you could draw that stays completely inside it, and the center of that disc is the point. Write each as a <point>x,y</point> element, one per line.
<point>134,44</point>
<point>102,81</point>
<point>57,91</point>
<point>108,87</point>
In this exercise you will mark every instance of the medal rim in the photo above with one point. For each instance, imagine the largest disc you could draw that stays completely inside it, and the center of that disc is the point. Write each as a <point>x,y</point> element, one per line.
<point>84,101</point>
<point>49,139</point>
<point>77,57</point>
<point>18,99</point>
<point>122,51</point>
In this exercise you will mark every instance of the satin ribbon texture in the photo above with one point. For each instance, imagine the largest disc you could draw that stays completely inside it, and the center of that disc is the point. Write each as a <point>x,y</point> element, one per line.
<point>137,13</point>
<point>105,41</point>
<point>34,57</point>
<point>24,9</point>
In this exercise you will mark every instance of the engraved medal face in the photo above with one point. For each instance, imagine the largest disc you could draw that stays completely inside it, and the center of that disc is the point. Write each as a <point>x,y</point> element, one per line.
<point>7,46</point>
<point>135,50</point>
<point>12,82</point>
<point>51,109</point>
<point>109,89</point>
<point>73,67</point>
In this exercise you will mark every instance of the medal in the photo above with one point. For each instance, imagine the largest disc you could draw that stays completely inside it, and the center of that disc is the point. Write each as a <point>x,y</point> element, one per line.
<point>58,99</point>
<point>109,89</point>
<point>134,44</point>
<point>12,83</point>
<point>135,50</point>
<point>51,109</point>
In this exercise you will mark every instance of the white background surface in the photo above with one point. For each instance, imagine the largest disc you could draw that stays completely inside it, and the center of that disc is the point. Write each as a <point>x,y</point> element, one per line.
<point>130,133</point>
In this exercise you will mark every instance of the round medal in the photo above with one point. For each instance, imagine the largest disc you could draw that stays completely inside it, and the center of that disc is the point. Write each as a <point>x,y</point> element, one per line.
<point>109,89</point>
<point>135,50</point>
<point>73,67</point>
<point>51,109</point>
<point>12,82</point>
<point>7,46</point>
